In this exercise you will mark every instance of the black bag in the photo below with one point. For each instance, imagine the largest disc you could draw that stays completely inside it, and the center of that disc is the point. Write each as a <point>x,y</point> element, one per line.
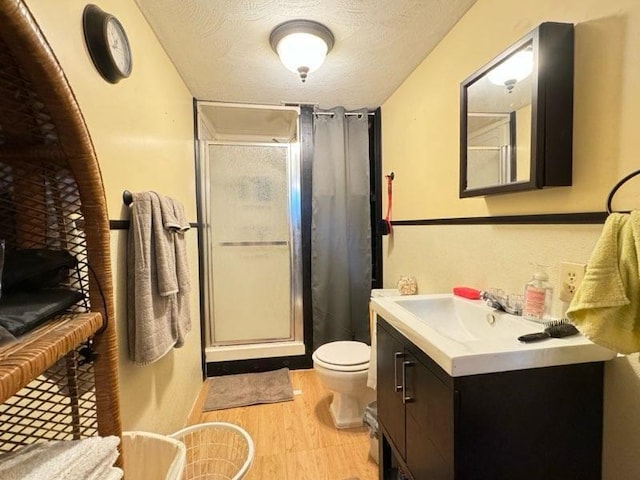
<point>36,268</point>
<point>23,311</point>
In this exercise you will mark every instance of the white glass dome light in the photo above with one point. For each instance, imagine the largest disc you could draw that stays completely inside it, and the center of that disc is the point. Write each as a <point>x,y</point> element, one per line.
<point>302,45</point>
<point>516,68</point>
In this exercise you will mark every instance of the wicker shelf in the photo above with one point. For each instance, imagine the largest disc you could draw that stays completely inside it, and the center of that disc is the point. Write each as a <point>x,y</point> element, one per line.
<point>41,348</point>
<point>52,197</point>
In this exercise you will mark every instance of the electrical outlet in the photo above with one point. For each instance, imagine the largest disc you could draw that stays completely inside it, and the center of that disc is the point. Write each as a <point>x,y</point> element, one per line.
<point>571,274</point>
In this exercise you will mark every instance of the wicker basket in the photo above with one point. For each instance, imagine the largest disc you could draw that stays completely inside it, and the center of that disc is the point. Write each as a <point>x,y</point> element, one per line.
<point>216,451</point>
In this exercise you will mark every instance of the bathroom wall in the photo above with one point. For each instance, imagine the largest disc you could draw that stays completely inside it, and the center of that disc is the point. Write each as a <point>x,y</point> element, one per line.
<point>420,137</point>
<point>142,130</point>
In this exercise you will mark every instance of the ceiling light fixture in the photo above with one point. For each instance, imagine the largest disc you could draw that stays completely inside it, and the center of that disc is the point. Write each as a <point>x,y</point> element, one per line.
<point>301,45</point>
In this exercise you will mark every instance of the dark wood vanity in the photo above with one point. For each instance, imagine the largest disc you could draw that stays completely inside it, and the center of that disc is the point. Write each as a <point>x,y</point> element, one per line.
<point>532,424</point>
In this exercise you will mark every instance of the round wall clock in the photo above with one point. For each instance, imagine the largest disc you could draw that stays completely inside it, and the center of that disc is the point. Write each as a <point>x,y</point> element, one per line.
<point>107,44</point>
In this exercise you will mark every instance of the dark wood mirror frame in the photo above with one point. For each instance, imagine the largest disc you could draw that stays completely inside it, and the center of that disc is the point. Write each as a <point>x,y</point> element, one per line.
<point>551,110</point>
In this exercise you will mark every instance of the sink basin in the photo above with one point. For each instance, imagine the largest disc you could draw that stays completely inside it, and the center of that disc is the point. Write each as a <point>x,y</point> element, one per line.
<point>466,337</point>
<point>465,321</point>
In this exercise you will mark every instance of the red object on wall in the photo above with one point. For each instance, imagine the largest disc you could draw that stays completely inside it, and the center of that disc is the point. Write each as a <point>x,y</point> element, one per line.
<point>387,218</point>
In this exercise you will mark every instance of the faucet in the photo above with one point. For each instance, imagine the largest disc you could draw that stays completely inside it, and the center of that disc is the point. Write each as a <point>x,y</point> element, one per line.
<point>501,303</point>
<point>493,301</point>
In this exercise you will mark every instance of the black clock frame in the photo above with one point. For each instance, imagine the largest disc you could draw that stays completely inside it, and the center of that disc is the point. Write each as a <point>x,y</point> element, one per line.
<point>94,22</point>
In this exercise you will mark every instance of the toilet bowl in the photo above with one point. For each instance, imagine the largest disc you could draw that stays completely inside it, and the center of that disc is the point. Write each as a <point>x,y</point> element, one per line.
<point>342,367</point>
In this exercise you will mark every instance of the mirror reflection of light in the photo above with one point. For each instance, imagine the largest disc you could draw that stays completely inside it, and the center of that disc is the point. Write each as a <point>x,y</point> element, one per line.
<point>516,68</point>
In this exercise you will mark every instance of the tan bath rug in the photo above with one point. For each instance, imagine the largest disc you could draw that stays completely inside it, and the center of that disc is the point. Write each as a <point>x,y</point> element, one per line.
<point>248,389</point>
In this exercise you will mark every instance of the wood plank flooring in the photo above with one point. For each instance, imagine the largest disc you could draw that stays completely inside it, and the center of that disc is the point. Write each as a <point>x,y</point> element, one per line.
<point>297,440</point>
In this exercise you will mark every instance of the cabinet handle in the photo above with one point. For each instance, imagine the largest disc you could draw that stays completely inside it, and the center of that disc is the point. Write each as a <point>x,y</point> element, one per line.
<point>396,356</point>
<point>405,397</point>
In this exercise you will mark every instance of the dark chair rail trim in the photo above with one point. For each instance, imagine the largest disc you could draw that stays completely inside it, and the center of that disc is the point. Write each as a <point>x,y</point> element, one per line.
<point>586,218</point>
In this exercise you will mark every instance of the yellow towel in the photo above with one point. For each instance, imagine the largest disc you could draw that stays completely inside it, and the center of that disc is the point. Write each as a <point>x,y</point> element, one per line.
<point>606,306</point>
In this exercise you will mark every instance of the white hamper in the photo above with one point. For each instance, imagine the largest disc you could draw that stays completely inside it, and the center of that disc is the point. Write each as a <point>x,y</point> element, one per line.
<point>216,451</point>
<point>149,456</point>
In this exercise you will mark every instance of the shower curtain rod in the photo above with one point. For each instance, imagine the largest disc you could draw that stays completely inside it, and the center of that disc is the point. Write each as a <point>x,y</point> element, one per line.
<point>346,114</point>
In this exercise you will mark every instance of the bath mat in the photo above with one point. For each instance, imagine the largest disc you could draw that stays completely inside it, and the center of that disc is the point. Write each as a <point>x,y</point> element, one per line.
<point>248,389</point>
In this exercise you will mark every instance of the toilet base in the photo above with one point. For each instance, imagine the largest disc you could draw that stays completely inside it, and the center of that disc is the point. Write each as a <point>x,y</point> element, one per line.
<point>347,410</point>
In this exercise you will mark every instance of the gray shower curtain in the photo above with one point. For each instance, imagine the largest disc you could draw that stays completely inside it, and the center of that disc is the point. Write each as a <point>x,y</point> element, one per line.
<point>341,228</point>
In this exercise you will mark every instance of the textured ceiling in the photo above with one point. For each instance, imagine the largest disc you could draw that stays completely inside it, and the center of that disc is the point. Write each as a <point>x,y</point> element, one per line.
<point>221,47</point>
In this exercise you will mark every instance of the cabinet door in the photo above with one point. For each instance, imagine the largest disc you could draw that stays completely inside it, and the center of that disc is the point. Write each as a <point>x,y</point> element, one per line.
<point>390,407</point>
<point>429,423</point>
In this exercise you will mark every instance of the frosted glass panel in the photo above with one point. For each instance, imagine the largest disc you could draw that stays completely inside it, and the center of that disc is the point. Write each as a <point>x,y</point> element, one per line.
<point>249,193</point>
<point>251,258</point>
<point>251,298</point>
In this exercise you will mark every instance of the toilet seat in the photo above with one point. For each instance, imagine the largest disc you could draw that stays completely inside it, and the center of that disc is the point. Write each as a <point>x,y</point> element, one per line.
<point>343,356</point>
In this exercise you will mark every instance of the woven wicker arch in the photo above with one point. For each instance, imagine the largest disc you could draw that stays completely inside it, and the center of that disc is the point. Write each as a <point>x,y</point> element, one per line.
<point>52,195</point>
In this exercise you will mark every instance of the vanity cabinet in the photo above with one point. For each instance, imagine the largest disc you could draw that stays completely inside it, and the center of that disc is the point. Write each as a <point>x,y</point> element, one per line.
<point>414,409</point>
<point>391,409</point>
<point>540,423</point>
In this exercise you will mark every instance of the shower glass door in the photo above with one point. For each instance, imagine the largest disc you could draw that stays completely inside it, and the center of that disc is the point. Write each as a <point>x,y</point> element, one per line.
<point>253,237</point>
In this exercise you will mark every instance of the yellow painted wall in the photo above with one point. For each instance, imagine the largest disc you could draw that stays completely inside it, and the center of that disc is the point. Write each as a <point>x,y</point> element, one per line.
<point>420,121</point>
<point>142,130</point>
<point>420,143</point>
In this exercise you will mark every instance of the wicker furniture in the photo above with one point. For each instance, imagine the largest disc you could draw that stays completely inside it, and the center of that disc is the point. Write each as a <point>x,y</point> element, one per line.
<point>51,196</point>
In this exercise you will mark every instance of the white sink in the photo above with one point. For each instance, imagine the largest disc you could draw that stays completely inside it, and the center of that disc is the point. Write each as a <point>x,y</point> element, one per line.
<point>466,337</point>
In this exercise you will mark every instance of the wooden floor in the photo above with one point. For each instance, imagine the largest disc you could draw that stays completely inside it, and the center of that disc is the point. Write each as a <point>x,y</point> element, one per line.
<point>297,440</point>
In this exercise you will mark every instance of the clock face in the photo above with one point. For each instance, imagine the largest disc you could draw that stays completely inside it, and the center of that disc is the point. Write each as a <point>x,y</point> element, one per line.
<point>107,44</point>
<point>119,46</point>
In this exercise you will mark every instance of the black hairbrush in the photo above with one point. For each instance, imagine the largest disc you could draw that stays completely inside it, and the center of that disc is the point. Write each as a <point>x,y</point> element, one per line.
<point>555,329</point>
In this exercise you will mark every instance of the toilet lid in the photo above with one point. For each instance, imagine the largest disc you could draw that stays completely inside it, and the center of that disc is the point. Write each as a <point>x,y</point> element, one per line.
<point>344,353</point>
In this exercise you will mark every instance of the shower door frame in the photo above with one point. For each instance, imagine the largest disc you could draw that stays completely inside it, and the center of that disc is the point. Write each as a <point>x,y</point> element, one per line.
<point>303,360</point>
<point>294,344</point>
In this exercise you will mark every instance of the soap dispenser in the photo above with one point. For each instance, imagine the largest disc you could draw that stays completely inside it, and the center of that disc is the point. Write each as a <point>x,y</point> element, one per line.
<point>538,294</point>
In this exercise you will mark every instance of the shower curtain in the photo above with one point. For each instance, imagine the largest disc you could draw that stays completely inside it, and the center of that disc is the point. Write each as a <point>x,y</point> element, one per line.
<point>341,228</point>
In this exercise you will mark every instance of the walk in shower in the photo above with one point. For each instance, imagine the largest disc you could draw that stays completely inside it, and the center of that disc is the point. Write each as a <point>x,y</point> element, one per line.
<point>251,265</point>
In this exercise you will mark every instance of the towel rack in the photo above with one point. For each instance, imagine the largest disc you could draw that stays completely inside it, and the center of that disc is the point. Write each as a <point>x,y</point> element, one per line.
<point>127,199</point>
<point>617,186</point>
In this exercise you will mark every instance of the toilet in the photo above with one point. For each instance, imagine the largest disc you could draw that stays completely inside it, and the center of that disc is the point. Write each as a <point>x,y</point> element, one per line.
<point>343,367</point>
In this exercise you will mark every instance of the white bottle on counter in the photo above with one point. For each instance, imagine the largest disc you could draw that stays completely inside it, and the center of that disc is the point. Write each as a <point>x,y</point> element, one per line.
<point>538,295</point>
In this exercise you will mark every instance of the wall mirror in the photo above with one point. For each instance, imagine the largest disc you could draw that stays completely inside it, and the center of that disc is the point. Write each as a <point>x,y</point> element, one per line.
<point>516,116</point>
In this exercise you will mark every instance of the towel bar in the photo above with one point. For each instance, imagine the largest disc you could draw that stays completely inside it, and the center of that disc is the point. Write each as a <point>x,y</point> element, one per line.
<point>127,197</point>
<point>617,186</point>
